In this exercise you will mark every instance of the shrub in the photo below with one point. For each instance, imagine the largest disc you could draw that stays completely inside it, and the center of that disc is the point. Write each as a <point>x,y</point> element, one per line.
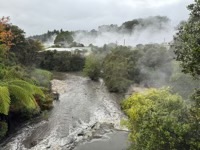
<point>3,129</point>
<point>92,67</point>
<point>157,120</point>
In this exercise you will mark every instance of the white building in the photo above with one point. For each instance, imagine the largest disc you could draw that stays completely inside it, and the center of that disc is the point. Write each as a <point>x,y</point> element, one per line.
<point>72,49</point>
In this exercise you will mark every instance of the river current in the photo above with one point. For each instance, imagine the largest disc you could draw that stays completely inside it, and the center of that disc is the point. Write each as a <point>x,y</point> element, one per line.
<point>86,117</point>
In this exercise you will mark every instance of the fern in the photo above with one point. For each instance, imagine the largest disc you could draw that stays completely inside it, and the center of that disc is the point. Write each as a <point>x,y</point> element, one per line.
<point>4,100</point>
<point>38,91</point>
<point>23,84</point>
<point>34,90</point>
<point>20,94</point>
<point>23,96</point>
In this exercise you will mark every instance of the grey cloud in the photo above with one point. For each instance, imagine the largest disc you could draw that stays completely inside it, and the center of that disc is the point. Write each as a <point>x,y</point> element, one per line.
<point>38,16</point>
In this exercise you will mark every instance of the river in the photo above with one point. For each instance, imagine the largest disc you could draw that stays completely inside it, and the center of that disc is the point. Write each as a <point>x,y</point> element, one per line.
<point>86,117</point>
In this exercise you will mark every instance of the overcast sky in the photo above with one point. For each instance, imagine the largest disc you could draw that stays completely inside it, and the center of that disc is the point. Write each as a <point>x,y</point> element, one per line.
<point>38,16</point>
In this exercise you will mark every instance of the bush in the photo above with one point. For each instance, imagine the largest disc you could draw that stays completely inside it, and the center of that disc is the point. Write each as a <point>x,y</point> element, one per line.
<point>195,120</point>
<point>157,120</point>
<point>118,68</point>
<point>61,61</point>
<point>92,68</point>
<point>45,103</point>
<point>3,129</point>
<point>42,77</point>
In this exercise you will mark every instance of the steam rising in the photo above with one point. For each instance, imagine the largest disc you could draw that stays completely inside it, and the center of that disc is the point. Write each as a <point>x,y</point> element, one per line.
<point>50,41</point>
<point>150,30</point>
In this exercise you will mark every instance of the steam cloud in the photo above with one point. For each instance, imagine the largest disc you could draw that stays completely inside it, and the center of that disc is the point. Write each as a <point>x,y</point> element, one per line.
<point>149,30</point>
<point>50,41</point>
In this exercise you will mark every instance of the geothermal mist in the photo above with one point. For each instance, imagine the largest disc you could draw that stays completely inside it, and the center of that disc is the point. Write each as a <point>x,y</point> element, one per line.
<point>154,32</point>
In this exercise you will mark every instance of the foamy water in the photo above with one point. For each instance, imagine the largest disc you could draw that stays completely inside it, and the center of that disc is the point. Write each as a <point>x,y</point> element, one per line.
<point>85,110</point>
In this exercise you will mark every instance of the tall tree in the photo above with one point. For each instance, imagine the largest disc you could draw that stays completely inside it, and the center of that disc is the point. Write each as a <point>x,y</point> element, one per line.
<point>187,42</point>
<point>187,49</point>
<point>6,37</point>
<point>118,68</point>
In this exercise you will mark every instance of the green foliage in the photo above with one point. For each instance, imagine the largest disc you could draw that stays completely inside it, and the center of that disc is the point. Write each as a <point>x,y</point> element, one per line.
<point>4,100</point>
<point>17,94</point>
<point>150,65</point>
<point>187,42</point>
<point>119,68</point>
<point>2,71</point>
<point>46,36</point>
<point>64,38</point>
<point>21,45</point>
<point>157,120</point>
<point>130,25</point>
<point>92,67</point>
<point>3,51</point>
<point>41,77</point>
<point>195,120</point>
<point>28,54</point>
<point>187,50</point>
<point>23,94</point>
<point>15,72</point>
<point>181,83</point>
<point>24,50</point>
<point>61,61</point>
<point>157,22</point>
<point>3,129</point>
<point>45,103</point>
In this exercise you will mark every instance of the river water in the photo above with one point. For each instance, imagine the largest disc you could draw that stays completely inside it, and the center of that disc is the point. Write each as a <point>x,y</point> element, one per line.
<point>86,117</point>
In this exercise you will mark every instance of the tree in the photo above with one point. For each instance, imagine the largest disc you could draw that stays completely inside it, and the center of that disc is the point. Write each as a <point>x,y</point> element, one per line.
<point>157,120</point>
<point>119,69</point>
<point>19,97</point>
<point>60,61</point>
<point>155,23</point>
<point>187,50</point>
<point>92,67</point>
<point>115,71</point>
<point>6,38</point>
<point>77,62</point>
<point>195,120</point>
<point>24,49</point>
<point>181,83</point>
<point>187,42</point>
<point>130,25</point>
<point>6,35</point>
<point>64,39</point>
<point>28,54</point>
<point>15,94</point>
